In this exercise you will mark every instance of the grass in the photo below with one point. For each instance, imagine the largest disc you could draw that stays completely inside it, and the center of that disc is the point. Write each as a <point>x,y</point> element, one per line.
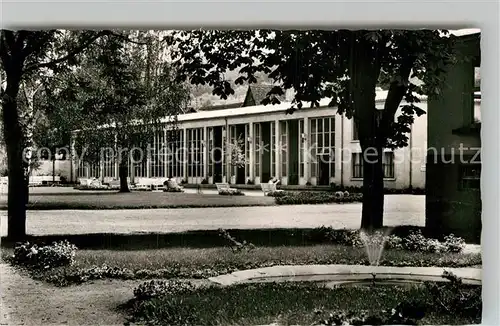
<point>285,304</point>
<point>193,263</point>
<point>263,256</point>
<point>136,200</point>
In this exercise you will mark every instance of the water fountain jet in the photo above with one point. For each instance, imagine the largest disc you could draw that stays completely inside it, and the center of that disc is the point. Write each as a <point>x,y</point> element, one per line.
<point>374,244</point>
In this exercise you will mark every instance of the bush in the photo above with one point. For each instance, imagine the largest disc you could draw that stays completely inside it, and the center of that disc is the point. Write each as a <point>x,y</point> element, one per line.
<point>453,243</point>
<point>94,187</point>
<point>414,241</point>
<point>315,197</point>
<point>455,298</point>
<point>204,181</point>
<point>279,193</point>
<point>160,288</point>
<point>234,244</point>
<point>231,192</point>
<point>56,255</point>
<point>387,191</point>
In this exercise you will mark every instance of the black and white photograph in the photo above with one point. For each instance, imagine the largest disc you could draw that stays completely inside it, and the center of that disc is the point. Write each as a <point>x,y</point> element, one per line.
<point>240,176</point>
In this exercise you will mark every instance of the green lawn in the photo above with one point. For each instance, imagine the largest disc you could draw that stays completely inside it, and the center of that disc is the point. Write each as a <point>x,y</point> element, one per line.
<point>263,256</point>
<point>287,304</point>
<point>191,263</point>
<point>136,200</point>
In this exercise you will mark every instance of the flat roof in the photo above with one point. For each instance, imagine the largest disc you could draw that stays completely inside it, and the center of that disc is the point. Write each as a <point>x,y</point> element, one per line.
<point>380,96</point>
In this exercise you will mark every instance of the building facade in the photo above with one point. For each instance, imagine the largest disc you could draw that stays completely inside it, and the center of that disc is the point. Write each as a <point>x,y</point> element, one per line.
<point>453,201</point>
<point>313,146</point>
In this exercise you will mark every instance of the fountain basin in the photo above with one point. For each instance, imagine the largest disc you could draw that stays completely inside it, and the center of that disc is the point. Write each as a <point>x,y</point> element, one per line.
<point>335,275</point>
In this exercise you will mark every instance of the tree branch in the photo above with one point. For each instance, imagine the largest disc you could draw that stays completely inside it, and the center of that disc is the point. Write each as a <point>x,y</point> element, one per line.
<point>31,47</point>
<point>397,90</point>
<point>69,55</point>
<point>127,39</point>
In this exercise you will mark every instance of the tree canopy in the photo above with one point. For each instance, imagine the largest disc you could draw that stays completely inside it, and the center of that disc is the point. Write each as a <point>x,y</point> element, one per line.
<point>343,65</point>
<point>119,97</point>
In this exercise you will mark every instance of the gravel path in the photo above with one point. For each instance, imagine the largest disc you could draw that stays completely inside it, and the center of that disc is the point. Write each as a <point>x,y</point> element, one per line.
<point>399,210</point>
<point>25,301</point>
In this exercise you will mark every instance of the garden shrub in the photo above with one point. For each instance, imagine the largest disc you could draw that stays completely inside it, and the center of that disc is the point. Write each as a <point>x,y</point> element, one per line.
<point>456,298</point>
<point>161,288</point>
<point>231,192</point>
<point>234,244</point>
<point>280,193</point>
<point>451,298</point>
<point>316,197</point>
<point>93,187</point>
<point>414,241</point>
<point>33,256</point>
<point>453,243</point>
<point>387,191</point>
<point>395,316</point>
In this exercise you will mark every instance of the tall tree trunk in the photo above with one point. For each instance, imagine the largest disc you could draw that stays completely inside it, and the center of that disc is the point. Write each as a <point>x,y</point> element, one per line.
<point>18,184</point>
<point>373,188</point>
<point>123,174</point>
<point>364,73</point>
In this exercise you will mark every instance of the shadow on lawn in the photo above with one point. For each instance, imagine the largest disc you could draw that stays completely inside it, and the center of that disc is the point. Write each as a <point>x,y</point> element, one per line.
<point>194,239</point>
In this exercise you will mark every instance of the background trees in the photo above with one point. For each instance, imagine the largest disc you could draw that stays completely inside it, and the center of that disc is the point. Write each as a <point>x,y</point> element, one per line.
<point>34,60</point>
<point>344,65</point>
<point>26,55</point>
<point>118,84</point>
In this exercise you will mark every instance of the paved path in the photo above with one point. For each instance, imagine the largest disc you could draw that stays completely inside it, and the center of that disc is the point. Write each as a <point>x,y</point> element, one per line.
<point>29,302</point>
<point>399,210</point>
<point>25,301</point>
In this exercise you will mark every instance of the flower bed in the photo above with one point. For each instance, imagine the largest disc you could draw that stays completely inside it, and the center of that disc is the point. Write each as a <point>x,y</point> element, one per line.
<point>387,191</point>
<point>62,265</point>
<point>315,197</point>
<point>305,303</point>
<point>95,187</point>
<point>415,241</point>
<point>231,192</point>
<point>44,257</point>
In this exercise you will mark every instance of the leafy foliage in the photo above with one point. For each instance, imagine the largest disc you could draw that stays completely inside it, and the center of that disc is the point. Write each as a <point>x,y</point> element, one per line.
<point>27,56</point>
<point>235,245</point>
<point>236,152</point>
<point>44,257</point>
<point>313,197</point>
<point>125,91</point>
<point>344,66</point>
<point>160,288</point>
<point>318,64</point>
<point>415,241</point>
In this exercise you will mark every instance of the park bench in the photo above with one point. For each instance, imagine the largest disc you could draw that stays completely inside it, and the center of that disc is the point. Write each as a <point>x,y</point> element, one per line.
<point>158,185</point>
<point>224,187</point>
<point>142,186</point>
<point>268,188</point>
<point>114,184</point>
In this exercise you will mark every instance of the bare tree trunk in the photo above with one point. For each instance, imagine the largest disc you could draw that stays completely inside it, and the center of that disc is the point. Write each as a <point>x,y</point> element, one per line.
<point>18,185</point>
<point>372,216</point>
<point>364,72</point>
<point>123,174</point>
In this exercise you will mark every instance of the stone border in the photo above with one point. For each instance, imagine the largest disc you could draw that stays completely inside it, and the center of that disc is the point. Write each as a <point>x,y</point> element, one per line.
<point>345,273</point>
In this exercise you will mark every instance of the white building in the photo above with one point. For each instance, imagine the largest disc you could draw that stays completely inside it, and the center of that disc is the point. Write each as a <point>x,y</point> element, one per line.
<point>312,146</point>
